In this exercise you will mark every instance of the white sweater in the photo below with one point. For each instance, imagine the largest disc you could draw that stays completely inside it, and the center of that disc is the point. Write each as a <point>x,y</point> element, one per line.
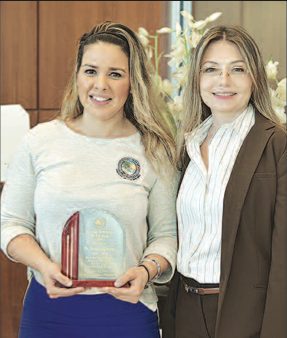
<point>57,172</point>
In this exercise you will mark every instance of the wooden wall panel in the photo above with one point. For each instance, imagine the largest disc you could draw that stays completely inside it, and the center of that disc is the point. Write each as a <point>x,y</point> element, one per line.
<point>13,285</point>
<point>18,84</point>
<point>18,56</point>
<point>47,115</point>
<point>33,117</point>
<point>70,19</point>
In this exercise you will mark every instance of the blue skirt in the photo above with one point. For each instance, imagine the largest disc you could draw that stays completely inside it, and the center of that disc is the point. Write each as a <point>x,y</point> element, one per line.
<point>84,316</point>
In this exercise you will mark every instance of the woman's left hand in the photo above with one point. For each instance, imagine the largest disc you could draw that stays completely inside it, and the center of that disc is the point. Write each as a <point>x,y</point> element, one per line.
<point>136,279</point>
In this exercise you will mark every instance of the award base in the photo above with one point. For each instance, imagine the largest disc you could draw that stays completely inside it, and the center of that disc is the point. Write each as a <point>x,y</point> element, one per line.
<point>93,283</point>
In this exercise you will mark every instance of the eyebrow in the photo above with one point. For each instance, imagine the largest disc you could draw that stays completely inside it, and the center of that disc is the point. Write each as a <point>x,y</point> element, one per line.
<point>111,68</point>
<point>216,63</point>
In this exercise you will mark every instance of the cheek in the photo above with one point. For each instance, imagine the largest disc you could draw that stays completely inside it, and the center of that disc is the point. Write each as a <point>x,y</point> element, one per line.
<point>250,90</point>
<point>245,87</point>
<point>81,85</point>
<point>205,86</point>
<point>124,91</point>
<point>204,89</point>
<point>245,94</point>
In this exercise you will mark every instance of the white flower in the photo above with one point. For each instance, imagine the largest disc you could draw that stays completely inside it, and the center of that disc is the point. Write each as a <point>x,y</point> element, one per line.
<point>144,40</point>
<point>281,90</point>
<point>142,31</point>
<point>180,75</point>
<point>164,30</point>
<point>177,29</point>
<point>278,105</point>
<point>194,39</point>
<point>176,106</point>
<point>177,54</point>
<point>179,57</point>
<point>167,87</point>
<point>271,70</point>
<point>213,17</point>
<point>278,99</point>
<point>187,15</point>
<point>199,24</point>
<point>149,52</point>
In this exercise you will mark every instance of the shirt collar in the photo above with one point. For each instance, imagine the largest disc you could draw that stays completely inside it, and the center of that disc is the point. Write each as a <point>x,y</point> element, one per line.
<point>200,133</point>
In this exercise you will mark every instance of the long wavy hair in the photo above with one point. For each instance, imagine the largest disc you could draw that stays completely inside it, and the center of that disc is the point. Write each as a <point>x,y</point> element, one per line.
<point>143,107</point>
<point>196,111</point>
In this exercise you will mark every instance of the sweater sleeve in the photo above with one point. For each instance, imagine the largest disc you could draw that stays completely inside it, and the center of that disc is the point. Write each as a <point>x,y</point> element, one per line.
<point>162,234</point>
<point>17,200</point>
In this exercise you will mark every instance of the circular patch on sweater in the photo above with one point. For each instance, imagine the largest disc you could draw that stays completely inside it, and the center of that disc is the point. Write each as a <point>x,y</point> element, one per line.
<point>129,168</point>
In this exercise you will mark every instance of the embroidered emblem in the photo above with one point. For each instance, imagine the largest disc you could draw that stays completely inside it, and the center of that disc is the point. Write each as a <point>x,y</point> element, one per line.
<point>129,168</point>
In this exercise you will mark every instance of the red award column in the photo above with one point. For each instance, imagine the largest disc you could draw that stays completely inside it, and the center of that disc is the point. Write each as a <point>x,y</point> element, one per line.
<point>70,247</point>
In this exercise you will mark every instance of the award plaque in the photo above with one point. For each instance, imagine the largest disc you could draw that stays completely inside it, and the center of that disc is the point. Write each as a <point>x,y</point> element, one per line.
<point>93,248</point>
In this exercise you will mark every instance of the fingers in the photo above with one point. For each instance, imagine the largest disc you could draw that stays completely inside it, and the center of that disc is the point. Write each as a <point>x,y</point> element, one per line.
<point>57,287</point>
<point>136,278</point>
<point>131,294</point>
<point>63,280</point>
<point>56,292</point>
<point>57,284</point>
<point>123,280</point>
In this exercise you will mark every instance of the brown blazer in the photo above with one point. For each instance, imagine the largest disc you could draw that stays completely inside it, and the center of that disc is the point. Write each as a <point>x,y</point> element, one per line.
<point>253,282</point>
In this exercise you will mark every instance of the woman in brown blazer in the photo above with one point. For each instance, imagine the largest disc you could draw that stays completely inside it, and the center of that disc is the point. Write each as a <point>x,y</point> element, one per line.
<point>232,219</point>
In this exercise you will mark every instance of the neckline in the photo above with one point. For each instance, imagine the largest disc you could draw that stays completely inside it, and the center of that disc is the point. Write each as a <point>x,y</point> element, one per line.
<point>96,139</point>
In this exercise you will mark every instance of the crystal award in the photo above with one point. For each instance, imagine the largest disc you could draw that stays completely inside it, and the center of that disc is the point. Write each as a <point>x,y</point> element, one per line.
<point>93,248</point>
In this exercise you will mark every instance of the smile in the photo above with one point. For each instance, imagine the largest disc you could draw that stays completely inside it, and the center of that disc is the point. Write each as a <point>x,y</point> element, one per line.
<point>225,94</point>
<point>100,98</point>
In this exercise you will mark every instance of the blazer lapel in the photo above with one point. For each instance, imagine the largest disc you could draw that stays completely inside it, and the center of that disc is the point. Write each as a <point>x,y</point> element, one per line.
<point>236,190</point>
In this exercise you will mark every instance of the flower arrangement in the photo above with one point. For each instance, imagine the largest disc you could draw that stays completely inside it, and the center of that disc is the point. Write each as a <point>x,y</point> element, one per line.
<point>277,89</point>
<point>186,40</point>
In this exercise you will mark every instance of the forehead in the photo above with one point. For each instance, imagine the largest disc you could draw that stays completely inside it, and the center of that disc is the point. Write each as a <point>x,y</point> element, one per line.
<point>222,51</point>
<point>104,53</point>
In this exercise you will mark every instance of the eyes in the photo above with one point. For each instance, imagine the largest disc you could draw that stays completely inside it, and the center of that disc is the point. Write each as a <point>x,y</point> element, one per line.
<point>93,72</point>
<point>216,71</point>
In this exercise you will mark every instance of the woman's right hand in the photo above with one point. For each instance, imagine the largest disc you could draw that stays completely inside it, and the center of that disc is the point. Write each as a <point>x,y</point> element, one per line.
<point>57,284</point>
<point>25,249</point>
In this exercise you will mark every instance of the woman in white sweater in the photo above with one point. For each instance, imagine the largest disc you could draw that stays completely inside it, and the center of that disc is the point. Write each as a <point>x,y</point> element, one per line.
<point>109,151</point>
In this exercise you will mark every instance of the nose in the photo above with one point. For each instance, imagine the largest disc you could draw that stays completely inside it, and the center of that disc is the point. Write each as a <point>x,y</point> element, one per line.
<point>224,73</point>
<point>224,76</point>
<point>101,82</point>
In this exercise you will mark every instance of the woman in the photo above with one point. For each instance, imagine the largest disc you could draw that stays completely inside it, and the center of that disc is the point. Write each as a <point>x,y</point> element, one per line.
<point>231,205</point>
<point>110,150</point>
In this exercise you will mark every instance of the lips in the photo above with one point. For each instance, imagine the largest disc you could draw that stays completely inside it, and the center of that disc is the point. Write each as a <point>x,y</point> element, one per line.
<point>226,94</point>
<point>100,98</point>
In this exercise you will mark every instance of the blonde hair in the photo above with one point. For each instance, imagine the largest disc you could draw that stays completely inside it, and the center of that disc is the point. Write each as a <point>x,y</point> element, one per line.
<point>196,110</point>
<point>143,106</point>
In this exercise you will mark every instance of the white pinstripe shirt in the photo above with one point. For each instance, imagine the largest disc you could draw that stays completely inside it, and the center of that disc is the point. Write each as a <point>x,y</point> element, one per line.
<point>200,199</point>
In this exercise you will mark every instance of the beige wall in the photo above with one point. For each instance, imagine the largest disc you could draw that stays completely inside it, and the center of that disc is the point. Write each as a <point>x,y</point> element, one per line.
<point>264,20</point>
